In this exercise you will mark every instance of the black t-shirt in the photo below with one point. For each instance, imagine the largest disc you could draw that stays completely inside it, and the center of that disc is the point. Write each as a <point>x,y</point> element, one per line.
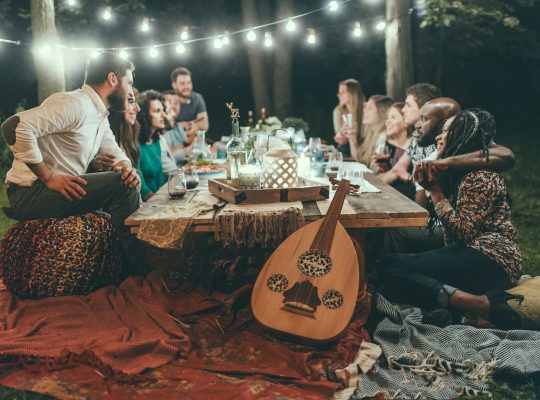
<point>194,106</point>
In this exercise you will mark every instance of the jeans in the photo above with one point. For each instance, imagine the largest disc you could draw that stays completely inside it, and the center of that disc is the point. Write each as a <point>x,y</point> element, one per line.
<point>424,279</point>
<point>104,191</point>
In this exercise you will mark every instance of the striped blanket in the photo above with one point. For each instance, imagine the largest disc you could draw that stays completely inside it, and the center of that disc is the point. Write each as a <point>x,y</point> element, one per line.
<point>425,361</point>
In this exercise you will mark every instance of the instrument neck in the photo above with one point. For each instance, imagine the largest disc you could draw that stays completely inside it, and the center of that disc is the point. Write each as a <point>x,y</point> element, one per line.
<point>325,234</point>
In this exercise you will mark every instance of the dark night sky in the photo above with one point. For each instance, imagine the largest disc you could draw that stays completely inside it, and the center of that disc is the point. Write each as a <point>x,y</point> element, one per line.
<point>224,76</point>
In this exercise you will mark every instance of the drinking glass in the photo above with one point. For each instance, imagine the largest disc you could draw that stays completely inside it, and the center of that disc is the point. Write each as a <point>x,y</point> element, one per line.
<point>315,147</point>
<point>191,177</point>
<point>176,184</point>
<point>335,161</point>
<point>355,176</point>
<point>382,149</point>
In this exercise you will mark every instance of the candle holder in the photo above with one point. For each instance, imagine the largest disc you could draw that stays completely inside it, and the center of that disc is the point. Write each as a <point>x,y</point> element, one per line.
<point>280,167</point>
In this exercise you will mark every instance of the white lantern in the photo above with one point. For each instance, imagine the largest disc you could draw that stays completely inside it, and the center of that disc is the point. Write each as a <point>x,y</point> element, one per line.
<point>280,167</point>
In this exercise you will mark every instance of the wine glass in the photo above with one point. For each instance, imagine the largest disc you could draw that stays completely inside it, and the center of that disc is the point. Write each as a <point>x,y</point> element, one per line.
<point>335,161</point>
<point>191,177</point>
<point>176,184</point>
<point>315,148</point>
<point>382,149</point>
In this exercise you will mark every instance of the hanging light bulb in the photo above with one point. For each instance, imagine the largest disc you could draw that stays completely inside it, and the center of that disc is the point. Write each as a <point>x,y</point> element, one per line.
<point>184,35</point>
<point>107,13</point>
<point>71,3</point>
<point>153,52</point>
<point>180,48</point>
<point>311,38</point>
<point>225,39</point>
<point>218,43</point>
<point>357,31</point>
<point>380,26</point>
<point>42,50</point>
<point>96,53</point>
<point>291,25</point>
<point>268,39</point>
<point>145,26</point>
<point>251,35</point>
<point>333,5</point>
<point>124,54</point>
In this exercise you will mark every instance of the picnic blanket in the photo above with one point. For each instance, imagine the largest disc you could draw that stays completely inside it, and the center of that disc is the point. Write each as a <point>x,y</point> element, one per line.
<point>145,340</point>
<point>425,361</point>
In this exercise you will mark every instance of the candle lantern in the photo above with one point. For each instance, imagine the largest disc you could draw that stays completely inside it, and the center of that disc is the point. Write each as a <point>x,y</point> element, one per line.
<point>280,167</point>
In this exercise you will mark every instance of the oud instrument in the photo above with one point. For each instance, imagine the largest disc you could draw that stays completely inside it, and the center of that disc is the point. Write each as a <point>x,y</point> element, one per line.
<point>309,286</point>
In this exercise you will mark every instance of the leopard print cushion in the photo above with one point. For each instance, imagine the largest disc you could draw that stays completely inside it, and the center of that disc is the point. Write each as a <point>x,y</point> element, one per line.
<point>60,256</point>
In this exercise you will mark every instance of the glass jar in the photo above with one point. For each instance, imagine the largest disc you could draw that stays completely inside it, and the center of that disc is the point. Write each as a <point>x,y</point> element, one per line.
<point>200,154</point>
<point>249,173</point>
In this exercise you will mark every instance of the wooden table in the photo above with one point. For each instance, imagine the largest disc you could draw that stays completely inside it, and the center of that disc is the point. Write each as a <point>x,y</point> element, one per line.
<point>389,208</point>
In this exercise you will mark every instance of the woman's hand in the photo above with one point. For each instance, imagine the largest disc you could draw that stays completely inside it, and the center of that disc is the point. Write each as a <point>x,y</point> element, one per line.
<point>427,175</point>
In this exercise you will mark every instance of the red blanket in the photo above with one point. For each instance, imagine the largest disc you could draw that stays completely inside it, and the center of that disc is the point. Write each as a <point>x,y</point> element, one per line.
<point>140,341</point>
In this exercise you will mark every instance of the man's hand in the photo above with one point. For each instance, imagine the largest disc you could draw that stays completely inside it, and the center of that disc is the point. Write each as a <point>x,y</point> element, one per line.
<point>67,185</point>
<point>129,175</point>
<point>102,162</point>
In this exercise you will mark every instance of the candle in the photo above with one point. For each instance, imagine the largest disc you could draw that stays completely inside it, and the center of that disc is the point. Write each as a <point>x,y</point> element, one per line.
<point>304,166</point>
<point>249,176</point>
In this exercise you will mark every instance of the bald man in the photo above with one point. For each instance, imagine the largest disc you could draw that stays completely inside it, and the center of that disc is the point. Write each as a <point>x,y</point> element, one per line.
<point>433,115</point>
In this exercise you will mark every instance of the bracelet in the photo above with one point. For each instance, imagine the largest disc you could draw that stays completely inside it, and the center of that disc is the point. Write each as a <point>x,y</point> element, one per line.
<point>410,179</point>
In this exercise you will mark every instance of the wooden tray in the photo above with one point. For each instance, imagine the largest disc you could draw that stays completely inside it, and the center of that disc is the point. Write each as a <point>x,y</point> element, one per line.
<point>305,191</point>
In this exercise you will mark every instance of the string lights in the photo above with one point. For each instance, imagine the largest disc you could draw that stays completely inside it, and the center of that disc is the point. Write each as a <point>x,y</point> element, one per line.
<point>217,41</point>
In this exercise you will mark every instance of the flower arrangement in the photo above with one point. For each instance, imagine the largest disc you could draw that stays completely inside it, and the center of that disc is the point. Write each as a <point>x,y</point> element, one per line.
<point>296,123</point>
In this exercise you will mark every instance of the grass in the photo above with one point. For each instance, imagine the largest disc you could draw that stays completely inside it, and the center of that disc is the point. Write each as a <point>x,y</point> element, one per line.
<point>524,187</point>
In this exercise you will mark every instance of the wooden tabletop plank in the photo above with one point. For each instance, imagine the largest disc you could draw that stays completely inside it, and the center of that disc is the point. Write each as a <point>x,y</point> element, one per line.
<point>389,208</point>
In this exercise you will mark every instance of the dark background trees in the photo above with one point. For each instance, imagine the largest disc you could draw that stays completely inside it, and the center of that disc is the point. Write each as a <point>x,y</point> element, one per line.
<point>473,49</point>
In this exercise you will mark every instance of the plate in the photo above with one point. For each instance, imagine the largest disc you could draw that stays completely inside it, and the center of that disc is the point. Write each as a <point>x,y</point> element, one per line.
<point>210,169</point>
<point>219,161</point>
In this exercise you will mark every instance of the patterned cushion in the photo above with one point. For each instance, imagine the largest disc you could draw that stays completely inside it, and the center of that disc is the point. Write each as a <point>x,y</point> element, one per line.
<point>60,256</point>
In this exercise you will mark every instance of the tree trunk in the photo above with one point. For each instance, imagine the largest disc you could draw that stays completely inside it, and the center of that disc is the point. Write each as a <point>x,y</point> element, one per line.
<point>398,44</point>
<point>282,74</point>
<point>257,66</point>
<point>50,66</point>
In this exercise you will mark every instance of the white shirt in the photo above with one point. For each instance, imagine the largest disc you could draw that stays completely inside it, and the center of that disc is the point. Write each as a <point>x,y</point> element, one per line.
<point>65,132</point>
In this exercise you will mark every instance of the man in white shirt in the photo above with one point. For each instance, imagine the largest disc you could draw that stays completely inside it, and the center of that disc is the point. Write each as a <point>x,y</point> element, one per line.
<point>54,143</point>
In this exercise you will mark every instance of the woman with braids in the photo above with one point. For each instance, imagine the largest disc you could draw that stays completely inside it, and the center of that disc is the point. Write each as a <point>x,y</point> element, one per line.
<point>481,257</point>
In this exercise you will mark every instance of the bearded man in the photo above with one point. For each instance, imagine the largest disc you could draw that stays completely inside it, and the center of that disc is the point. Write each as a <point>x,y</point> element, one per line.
<point>54,143</point>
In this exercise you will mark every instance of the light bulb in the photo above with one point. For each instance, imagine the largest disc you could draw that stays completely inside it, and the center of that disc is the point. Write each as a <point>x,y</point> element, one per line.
<point>381,26</point>
<point>311,38</point>
<point>251,36</point>
<point>226,41</point>
<point>268,39</point>
<point>185,34</point>
<point>333,5</point>
<point>153,52</point>
<point>71,3</point>
<point>107,14</point>
<point>96,53</point>
<point>180,49</point>
<point>124,54</point>
<point>145,26</point>
<point>357,31</point>
<point>291,25</point>
<point>218,43</point>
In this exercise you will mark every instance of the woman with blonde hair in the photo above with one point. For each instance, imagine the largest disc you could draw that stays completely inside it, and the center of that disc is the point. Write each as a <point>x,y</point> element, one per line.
<point>375,114</point>
<point>348,133</point>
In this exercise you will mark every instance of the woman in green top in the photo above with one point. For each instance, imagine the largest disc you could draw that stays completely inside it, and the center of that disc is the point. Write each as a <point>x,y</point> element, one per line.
<point>152,121</point>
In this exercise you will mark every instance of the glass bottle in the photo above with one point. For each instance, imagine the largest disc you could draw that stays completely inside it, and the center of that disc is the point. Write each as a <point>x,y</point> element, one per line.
<point>236,153</point>
<point>200,154</point>
<point>249,173</point>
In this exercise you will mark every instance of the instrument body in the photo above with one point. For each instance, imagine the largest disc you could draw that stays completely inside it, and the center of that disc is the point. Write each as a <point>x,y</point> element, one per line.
<point>309,286</point>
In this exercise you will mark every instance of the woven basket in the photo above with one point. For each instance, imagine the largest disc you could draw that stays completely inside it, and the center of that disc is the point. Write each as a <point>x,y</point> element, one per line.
<point>60,256</point>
